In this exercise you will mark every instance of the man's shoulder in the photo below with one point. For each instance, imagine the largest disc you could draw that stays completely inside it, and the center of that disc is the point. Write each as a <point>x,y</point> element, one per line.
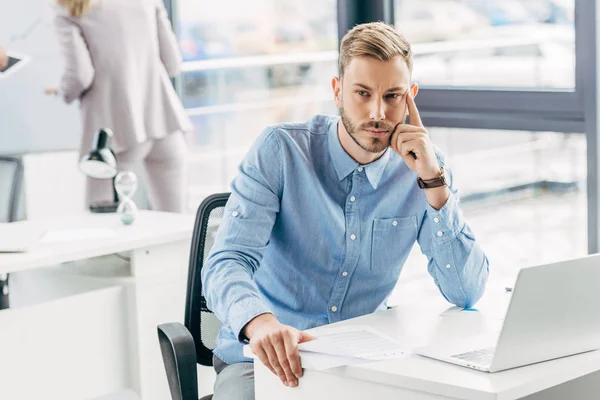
<point>317,125</point>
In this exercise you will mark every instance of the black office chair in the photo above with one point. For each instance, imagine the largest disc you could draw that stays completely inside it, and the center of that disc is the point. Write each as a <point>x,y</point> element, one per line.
<point>184,346</point>
<point>11,175</point>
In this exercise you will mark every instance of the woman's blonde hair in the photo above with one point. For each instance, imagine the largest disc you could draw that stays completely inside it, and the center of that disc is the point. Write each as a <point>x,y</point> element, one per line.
<point>76,8</point>
<point>377,40</point>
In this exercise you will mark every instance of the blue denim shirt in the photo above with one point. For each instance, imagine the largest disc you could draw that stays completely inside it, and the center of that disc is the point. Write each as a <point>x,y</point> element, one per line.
<point>313,237</point>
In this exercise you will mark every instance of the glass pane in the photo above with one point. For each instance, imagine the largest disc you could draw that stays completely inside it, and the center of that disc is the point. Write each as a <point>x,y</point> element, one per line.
<point>221,140</point>
<point>249,65</point>
<point>245,82</point>
<point>522,193</point>
<point>238,28</point>
<point>490,43</point>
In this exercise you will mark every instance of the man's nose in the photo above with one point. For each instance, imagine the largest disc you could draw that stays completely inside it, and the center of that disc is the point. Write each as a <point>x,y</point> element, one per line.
<point>377,111</point>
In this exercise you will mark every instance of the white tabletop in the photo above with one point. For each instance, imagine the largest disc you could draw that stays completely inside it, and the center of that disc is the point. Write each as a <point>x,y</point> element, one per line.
<point>420,322</point>
<point>149,229</point>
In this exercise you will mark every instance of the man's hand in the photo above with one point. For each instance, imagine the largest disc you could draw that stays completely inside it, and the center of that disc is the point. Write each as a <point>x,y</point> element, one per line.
<point>3,57</point>
<point>276,345</point>
<point>412,142</point>
<point>413,138</point>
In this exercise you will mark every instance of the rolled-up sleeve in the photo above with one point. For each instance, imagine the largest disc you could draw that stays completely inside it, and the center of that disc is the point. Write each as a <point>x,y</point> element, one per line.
<point>457,264</point>
<point>79,72</point>
<point>243,236</point>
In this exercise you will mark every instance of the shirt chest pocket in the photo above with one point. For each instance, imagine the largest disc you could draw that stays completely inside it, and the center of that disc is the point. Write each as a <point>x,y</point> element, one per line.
<point>392,240</point>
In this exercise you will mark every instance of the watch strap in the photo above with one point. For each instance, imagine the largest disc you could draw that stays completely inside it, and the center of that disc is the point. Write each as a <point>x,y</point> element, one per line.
<point>434,182</point>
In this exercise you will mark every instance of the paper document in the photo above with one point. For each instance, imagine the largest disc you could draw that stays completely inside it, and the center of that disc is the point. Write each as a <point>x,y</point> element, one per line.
<point>315,361</point>
<point>320,362</point>
<point>77,235</point>
<point>354,341</point>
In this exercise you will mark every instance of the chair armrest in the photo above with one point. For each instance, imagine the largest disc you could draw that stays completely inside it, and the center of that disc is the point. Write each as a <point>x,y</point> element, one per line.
<point>179,356</point>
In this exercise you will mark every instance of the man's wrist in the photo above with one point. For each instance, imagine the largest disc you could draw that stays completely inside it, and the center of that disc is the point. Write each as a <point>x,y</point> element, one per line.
<point>431,173</point>
<point>437,197</point>
<point>250,328</point>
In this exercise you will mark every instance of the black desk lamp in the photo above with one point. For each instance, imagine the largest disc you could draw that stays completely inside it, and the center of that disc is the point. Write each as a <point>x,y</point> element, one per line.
<point>101,163</point>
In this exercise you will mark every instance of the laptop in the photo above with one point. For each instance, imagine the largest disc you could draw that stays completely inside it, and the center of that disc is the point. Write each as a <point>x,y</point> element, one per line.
<point>554,312</point>
<point>18,237</point>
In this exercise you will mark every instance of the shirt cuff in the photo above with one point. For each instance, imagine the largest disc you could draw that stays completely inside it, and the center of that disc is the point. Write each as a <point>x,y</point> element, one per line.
<point>243,311</point>
<point>447,222</point>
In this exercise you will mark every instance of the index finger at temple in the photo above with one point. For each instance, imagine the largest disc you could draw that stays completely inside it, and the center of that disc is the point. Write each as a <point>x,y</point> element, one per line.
<point>413,111</point>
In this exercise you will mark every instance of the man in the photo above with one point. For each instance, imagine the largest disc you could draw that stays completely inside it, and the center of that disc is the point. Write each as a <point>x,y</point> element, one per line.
<point>323,215</point>
<point>3,57</point>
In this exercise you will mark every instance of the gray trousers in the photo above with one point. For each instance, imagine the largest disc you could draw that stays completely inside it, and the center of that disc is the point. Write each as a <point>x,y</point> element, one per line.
<point>234,382</point>
<point>164,162</point>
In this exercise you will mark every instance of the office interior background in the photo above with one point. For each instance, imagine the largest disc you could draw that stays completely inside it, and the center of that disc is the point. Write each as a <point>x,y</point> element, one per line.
<point>505,88</point>
<point>498,93</point>
<point>508,92</point>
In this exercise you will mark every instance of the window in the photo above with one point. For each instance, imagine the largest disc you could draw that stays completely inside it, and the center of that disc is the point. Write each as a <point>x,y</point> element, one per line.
<point>522,193</point>
<point>248,65</point>
<point>526,44</point>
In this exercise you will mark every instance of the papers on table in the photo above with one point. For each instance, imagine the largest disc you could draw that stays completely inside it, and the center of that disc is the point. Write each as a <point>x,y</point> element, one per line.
<point>18,238</point>
<point>320,362</point>
<point>354,341</point>
<point>336,347</point>
<point>77,235</point>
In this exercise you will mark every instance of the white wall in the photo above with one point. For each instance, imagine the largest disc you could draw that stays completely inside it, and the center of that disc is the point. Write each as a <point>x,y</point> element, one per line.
<point>53,184</point>
<point>29,120</point>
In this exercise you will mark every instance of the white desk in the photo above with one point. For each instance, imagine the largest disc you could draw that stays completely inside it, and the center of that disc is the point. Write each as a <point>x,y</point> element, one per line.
<point>414,377</point>
<point>82,322</point>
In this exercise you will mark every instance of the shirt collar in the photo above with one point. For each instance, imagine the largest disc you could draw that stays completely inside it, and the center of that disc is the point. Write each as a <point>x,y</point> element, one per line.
<point>344,164</point>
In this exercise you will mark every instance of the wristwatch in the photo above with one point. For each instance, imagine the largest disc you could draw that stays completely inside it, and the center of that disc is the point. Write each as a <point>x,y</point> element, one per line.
<point>442,180</point>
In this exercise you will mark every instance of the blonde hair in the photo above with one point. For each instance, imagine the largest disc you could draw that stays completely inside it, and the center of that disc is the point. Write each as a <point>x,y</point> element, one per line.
<point>374,39</point>
<point>76,8</point>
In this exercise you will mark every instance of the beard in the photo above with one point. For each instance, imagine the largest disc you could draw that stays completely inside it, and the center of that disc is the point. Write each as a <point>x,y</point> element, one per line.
<point>370,144</point>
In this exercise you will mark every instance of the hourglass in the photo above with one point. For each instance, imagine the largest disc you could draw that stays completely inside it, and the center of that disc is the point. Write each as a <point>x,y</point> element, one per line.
<point>126,185</point>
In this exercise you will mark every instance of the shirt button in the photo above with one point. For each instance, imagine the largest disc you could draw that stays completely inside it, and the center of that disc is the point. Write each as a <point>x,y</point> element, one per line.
<point>353,236</point>
<point>334,308</point>
<point>395,223</point>
<point>436,220</point>
<point>360,169</point>
<point>344,273</point>
<point>447,265</point>
<point>235,213</point>
<point>352,199</point>
<point>440,233</point>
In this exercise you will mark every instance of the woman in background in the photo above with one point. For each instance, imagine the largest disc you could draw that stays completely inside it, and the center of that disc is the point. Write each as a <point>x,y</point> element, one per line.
<point>118,57</point>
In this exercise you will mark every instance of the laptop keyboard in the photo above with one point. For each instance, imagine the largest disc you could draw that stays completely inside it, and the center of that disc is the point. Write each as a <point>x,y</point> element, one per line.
<point>482,356</point>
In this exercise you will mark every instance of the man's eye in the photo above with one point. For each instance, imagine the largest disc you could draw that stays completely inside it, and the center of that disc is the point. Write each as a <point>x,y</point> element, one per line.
<point>362,93</point>
<point>392,96</point>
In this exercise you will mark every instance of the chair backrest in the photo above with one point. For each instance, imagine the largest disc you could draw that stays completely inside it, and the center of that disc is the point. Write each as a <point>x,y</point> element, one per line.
<point>11,175</point>
<point>199,320</point>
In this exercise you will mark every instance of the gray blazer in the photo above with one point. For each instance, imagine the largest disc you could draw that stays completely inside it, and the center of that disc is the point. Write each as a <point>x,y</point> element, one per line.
<point>118,60</point>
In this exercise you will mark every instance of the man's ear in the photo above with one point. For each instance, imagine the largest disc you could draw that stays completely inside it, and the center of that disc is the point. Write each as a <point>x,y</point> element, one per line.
<point>336,85</point>
<point>414,89</point>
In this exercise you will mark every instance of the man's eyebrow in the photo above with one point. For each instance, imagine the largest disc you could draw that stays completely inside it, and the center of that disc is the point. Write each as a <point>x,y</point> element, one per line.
<point>394,89</point>
<point>362,85</point>
<point>397,89</point>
